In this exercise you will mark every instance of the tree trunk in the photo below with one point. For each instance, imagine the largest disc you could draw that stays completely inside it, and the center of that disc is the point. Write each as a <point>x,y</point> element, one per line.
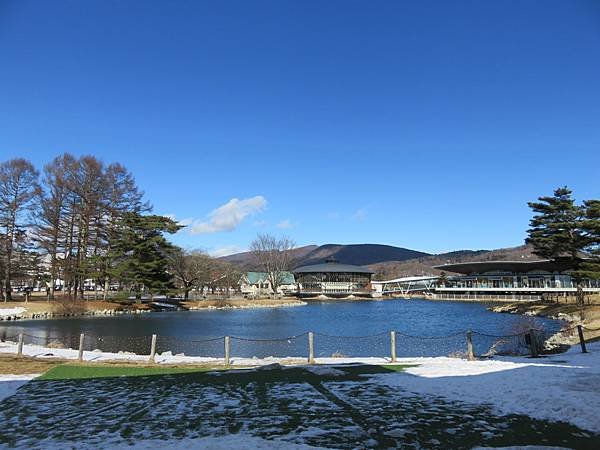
<point>51,287</point>
<point>580,294</point>
<point>7,293</point>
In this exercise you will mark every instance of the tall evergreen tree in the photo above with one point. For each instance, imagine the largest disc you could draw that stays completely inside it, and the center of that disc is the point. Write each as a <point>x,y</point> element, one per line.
<point>590,228</point>
<point>557,231</point>
<point>555,228</point>
<point>142,253</point>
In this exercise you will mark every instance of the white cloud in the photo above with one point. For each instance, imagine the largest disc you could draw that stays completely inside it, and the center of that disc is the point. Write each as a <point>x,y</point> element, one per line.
<point>285,224</point>
<point>228,216</point>
<point>225,251</point>
<point>360,214</point>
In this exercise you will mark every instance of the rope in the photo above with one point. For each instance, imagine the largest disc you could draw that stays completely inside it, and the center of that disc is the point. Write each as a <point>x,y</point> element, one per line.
<point>268,340</point>
<point>46,337</point>
<point>430,337</point>
<point>499,337</point>
<point>132,341</point>
<point>351,337</point>
<point>190,340</point>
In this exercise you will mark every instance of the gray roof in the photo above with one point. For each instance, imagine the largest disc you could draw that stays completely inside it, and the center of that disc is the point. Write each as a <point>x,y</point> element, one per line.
<point>543,265</point>
<point>332,267</point>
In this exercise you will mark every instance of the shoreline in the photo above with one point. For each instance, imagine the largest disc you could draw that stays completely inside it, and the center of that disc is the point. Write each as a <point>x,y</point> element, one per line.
<point>587,316</point>
<point>47,310</point>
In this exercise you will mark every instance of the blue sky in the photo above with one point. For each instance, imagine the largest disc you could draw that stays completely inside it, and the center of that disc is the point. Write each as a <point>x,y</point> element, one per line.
<point>427,125</point>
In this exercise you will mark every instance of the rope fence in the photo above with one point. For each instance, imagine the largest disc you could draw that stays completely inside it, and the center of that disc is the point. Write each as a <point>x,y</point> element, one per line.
<point>469,344</point>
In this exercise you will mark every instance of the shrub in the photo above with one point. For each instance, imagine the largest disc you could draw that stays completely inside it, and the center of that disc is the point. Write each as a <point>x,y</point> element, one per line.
<point>67,306</point>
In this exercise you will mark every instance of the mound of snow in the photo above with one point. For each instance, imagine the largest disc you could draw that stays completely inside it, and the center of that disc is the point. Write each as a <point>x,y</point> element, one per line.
<point>6,312</point>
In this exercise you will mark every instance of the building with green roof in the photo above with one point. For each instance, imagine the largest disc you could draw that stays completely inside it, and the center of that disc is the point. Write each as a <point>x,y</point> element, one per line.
<point>257,283</point>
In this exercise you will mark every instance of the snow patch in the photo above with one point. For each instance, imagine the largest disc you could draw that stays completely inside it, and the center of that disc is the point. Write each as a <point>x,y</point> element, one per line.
<point>559,388</point>
<point>6,312</point>
<point>10,383</point>
<point>234,441</point>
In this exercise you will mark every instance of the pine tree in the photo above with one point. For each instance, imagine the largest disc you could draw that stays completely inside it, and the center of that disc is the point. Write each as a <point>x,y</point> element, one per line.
<point>142,253</point>
<point>590,228</point>
<point>443,280</point>
<point>555,229</point>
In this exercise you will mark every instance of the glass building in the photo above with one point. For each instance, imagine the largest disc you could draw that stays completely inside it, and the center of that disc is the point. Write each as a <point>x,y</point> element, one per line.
<point>510,276</point>
<point>333,279</point>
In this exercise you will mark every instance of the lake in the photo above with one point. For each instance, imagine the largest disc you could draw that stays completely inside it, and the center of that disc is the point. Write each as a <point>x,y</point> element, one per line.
<point>356,328</point>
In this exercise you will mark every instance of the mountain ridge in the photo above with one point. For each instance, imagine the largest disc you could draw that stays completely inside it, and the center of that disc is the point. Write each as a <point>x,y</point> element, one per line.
<point>388,261</point>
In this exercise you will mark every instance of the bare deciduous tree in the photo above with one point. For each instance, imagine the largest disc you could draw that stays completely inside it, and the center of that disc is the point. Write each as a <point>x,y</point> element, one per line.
<point>190,269</point>
<point>274,256</point>
<point>78,219</point>
<point>18,189</point>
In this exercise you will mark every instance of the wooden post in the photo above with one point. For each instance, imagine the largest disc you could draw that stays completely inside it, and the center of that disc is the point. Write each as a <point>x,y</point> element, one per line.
<point>81,338</point>
<point>581,339</point>
<point>311,348</point>
<point>470,353</point>
<point>153,349</point>
<point>532,343</point>
<point>20,345</point>
<point>393,345</point>
<point>227,351</point>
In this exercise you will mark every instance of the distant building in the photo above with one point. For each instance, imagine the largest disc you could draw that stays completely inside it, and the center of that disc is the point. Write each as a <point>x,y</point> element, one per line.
<point>255,284</point>
<point>333,279</point>
<point>513,278</point>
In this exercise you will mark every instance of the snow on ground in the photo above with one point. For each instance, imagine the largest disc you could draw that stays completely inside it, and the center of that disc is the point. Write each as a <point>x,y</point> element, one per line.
<point>523,447</point>
<point>5,312</point>
<point>562,387</point>
<point>10,383</point>
<point>228,442</point>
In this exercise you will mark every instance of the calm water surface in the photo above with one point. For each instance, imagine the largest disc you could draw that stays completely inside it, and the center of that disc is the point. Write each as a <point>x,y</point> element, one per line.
<point>188,331</point>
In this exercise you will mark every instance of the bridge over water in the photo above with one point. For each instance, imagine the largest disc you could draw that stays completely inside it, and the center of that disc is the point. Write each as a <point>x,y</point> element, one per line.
<point>406,285</point>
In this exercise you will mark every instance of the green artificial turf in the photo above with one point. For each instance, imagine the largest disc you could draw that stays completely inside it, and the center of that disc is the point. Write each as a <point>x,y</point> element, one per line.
<point>75,372</point>
<point>81,372</point>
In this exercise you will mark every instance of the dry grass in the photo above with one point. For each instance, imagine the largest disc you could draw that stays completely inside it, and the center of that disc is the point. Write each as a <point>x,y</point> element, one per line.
<point>24,365</point>
<point>69,306</point>
<point>241,303</point>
